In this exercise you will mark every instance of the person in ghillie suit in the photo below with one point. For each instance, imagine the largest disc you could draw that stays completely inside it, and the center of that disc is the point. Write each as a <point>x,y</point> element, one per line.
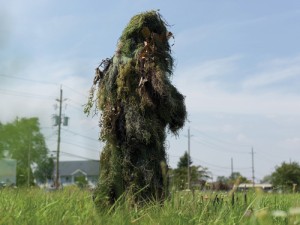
<point>138,104</point>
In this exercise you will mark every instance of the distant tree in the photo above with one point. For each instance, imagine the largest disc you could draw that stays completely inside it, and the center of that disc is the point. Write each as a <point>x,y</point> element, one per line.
<point>184,161</point>
<point>222,179</point>
<point>44,170</point>
<point>81,181</point>
<point>180,174</point>
<point>267,179</point>
<point>237,178</point>
<point>25,143</point>
<point>222,183</point>
<point>226,183</point>
<point>287,175</point>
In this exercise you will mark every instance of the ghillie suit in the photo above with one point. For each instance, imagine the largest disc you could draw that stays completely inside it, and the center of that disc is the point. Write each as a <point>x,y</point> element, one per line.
<point>137,103</point>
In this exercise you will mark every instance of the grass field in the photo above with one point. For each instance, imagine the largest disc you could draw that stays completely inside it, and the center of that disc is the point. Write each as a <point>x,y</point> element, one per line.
<point>75,206</point>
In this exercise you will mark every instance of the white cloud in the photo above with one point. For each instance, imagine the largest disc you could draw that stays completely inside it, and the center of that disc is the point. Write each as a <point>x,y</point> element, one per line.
<point>210,69</point>
<point>205,75</point>
<point>219,101</point>
<point>203,95</point>
<point>194,36</point>
<point>275,71</point>
<point>291,143</point>
<point>243,139</point>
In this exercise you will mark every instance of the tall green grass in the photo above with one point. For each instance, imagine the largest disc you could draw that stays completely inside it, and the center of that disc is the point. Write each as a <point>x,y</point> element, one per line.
<point>75,206</point>
<point>35,206</point>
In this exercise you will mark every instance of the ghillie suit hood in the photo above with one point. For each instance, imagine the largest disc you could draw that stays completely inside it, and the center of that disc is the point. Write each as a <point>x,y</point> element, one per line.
<point>137,103</point>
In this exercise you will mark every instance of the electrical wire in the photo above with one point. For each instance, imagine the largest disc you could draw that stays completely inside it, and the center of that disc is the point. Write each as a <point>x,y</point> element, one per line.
<point>218,148</point>
<point>72,132</point>
<point>26,79</point>
<point>220,140</point>
<point>78,156</point>
<point>83,145</point>
<point>25,94</point>
<point>44,82</point>
<point>213,165</point>
<point>76,107</point>
<point>80,146</point>
<point>75,91</point>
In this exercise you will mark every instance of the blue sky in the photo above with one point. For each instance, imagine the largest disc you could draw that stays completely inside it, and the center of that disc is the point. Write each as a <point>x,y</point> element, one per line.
<point>237,63</point>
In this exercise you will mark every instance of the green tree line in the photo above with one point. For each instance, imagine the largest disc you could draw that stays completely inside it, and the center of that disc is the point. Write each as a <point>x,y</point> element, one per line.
<point>23,141</point>
<point>286,177</point>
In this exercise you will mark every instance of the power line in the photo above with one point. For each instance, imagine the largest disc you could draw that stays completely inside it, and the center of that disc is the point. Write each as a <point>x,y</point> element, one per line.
<point>50,136</point>
<point>46,127</point>
<point>80,146</point>
<point>72,132</point>
<point>78,156</point>
<point>75,91</point>
<point>26,79</point>
<point>76,103</point>
<point>214,165</point>
<point>43,82</point>
<point>220,140</point>
<point>84,145</point>
<point>266,156</point>
<point>24,94</point>
<point>76,107</point>
<point>218,148</point>
<point>222,167</point>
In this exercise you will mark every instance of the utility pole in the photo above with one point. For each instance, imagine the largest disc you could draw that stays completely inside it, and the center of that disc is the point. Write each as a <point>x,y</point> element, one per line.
<point>58,140</point>
<point>253,177</point>
<point>59,120</point>
<point>28,158</point>
<point>189,155</point>
<point>231,167</point>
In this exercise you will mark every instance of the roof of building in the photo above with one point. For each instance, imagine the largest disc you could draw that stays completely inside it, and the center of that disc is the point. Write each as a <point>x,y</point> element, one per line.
<point>255,185</point>
<point>67,168</point>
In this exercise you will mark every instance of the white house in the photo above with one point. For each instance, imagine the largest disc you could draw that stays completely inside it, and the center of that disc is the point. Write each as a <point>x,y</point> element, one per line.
<point>8,171</point>
<point>70,171</point>
<point>265,187</point>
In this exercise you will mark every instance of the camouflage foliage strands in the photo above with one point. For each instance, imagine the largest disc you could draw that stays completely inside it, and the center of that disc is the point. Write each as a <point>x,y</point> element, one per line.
<point>137,103</point>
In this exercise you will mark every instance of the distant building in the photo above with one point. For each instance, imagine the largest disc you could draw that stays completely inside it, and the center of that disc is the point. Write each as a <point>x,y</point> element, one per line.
<point>265,187</point>
<point>71,171</point>
<point>8,171</point>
